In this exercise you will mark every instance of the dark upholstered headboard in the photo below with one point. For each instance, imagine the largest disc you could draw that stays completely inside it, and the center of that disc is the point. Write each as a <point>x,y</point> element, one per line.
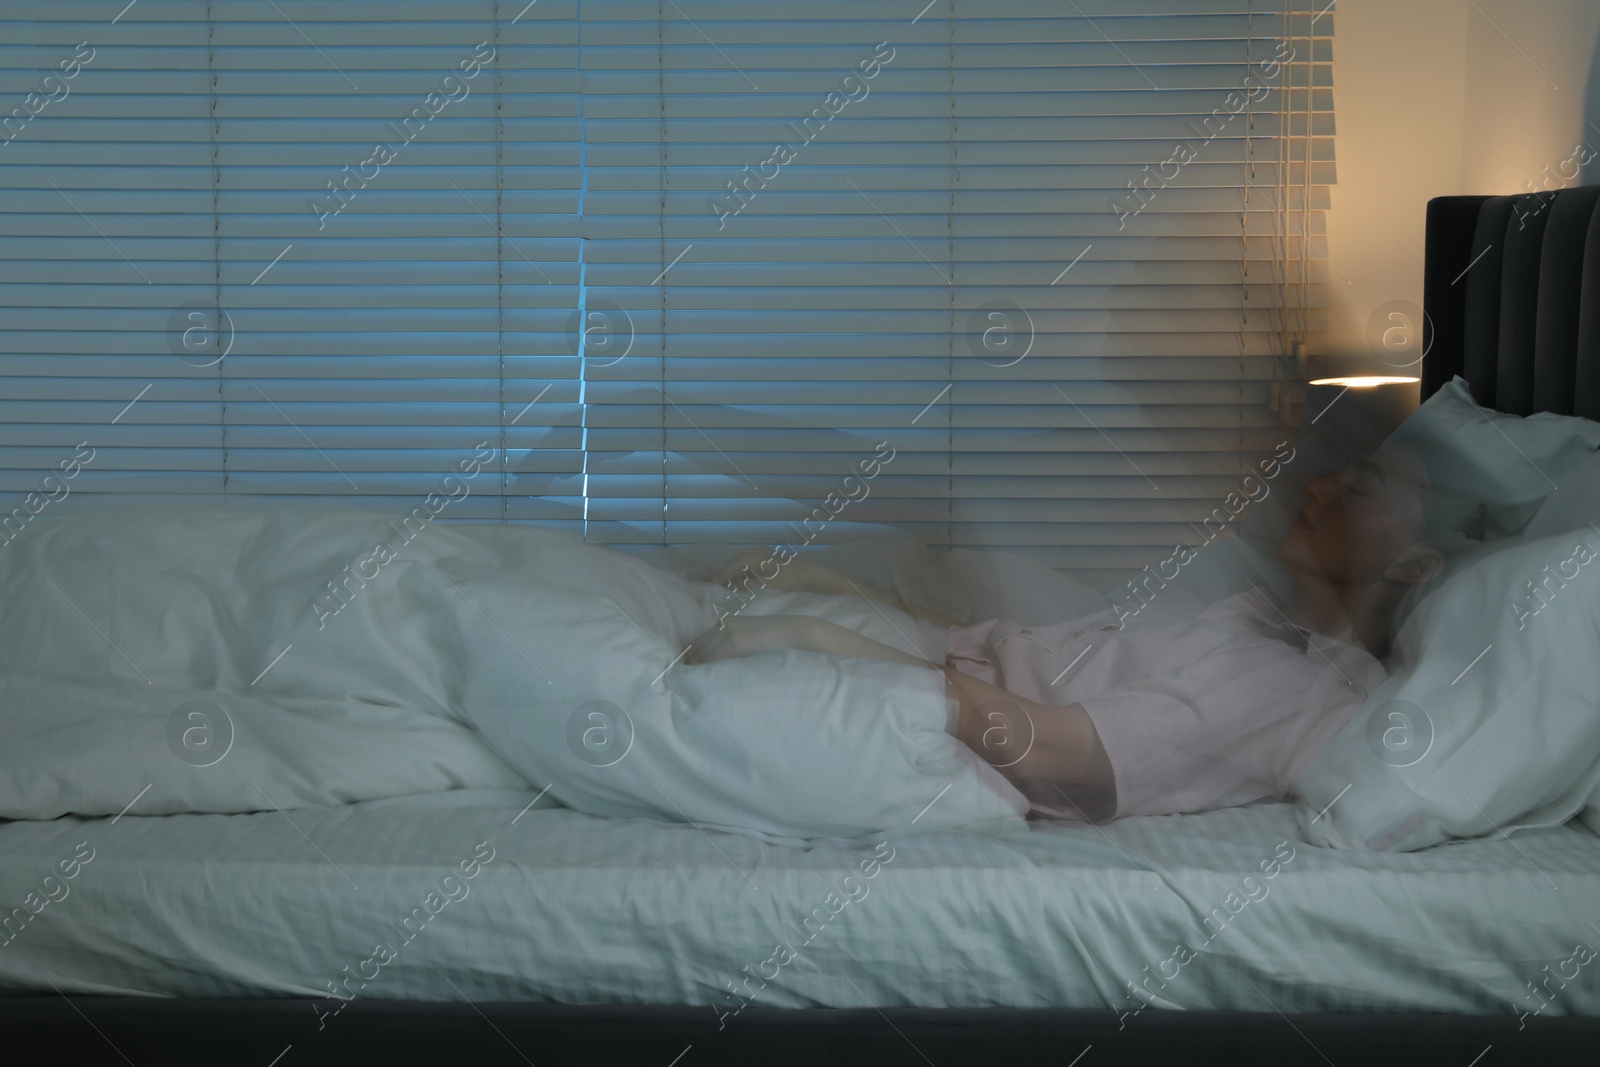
<point>1512,291</point>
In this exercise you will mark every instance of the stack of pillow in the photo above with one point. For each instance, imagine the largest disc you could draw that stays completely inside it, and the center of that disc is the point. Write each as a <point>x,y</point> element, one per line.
<point>1490,719</point>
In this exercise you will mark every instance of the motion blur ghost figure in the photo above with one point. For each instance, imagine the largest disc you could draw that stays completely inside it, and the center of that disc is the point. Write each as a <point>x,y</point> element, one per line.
<point>1186,706</point>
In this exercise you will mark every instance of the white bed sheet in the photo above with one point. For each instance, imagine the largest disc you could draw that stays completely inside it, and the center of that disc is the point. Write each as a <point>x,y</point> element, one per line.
<point>578,909</point>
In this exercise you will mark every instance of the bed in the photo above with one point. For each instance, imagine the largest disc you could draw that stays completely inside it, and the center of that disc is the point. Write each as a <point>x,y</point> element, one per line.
<point>207,938</point>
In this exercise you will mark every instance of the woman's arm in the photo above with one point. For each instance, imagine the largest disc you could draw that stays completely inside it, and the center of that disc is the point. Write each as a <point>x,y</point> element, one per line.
<point>1021,738</point>
<point>1025,739</point>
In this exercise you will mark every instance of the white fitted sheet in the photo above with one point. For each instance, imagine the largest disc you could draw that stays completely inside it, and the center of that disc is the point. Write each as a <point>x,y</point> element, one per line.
<point>579,909</point>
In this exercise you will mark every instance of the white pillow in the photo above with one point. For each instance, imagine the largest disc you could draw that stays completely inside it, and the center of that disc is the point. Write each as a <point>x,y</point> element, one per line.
<point>122,635</point>
<point>1573,505</point>
<point>105,746</point>
<point>1490,721</point>
<point>1508,462</point>
<point>783,745</point>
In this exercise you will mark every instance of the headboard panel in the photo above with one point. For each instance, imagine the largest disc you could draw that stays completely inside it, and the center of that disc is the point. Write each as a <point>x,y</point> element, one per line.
<point>1512,292</point>
<point>1567,238</point>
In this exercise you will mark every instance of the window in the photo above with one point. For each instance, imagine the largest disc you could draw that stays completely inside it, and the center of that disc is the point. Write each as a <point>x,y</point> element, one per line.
<point>690,269</point>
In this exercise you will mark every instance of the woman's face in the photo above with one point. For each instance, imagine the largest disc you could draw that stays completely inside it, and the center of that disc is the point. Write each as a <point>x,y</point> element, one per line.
<point>1355,523</point>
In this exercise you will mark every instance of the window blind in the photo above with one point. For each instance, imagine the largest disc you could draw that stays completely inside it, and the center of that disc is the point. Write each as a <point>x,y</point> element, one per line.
<point>685,271</point>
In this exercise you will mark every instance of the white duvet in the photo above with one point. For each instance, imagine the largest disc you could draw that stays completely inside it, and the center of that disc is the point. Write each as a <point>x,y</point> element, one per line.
<point>160,660</point>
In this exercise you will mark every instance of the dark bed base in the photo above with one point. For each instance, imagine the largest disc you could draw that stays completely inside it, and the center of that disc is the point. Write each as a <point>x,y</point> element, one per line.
<point>278,1032</point>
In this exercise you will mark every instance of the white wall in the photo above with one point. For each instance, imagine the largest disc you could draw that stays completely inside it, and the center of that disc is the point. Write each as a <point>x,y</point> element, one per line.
<point>1442,97</point>
<point>1529,91</point>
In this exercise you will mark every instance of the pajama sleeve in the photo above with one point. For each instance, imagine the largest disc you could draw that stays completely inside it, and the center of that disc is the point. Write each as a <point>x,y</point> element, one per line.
<point>1214,733</point>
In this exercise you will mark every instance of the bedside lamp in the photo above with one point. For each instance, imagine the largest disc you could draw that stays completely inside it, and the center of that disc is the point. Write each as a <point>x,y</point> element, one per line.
<point>1358,402</point>
<point>1357,398</point>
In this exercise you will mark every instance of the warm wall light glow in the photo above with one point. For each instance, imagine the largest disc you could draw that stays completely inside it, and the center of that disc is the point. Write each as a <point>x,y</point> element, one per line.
<point>1362,382</point>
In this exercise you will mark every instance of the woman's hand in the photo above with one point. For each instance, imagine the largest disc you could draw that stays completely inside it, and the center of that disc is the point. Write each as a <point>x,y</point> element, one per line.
<point>738,635</point>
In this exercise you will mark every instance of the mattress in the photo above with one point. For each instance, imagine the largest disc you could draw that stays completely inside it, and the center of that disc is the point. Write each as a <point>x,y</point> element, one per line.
<point>1228,909</point>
